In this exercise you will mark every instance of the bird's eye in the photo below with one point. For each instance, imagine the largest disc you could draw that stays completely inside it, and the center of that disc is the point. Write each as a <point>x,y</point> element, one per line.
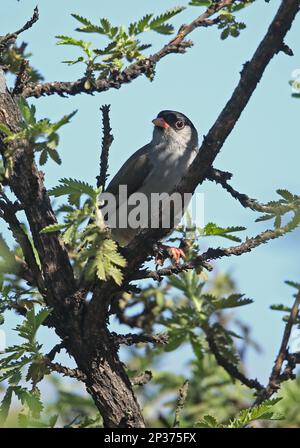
<point>179,124</point>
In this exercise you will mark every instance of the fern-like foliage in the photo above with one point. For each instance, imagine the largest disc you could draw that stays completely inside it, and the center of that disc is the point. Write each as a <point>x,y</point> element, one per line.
<point>191,323</point>
<point>12,57</point>
<point>19,357</point>
<point>212,229</point>
<point>40,135</point>
<point>227,20</point>
<point>101,254</point>
<point>262,412</point>
<point>122,44</point>
<point>287,202</point>
<point>92,245</point>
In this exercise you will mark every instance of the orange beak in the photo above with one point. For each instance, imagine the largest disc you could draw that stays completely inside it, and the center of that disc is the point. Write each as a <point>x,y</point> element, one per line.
<point>161,123</point>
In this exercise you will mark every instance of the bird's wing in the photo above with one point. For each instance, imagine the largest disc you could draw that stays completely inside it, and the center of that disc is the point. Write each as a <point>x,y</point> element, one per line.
<point>133,173</point>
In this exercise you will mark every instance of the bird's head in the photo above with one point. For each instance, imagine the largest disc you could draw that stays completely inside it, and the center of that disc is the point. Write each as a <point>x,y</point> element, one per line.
<point>174,127</point>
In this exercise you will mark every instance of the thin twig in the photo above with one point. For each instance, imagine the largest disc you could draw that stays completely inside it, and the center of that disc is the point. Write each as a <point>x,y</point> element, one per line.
<point>131,339</point>
<point>276,377</point>
<point>22,78</point>
<point>66,371</point>
<point>222,177</point>
<point>11,37</point>
<point>214,253</point>
<point>107,140</point>
<point>139,249</point>
<point>180,403</point>
<point>230,368</point>
<point>144,66</point>
<point>55,350</point>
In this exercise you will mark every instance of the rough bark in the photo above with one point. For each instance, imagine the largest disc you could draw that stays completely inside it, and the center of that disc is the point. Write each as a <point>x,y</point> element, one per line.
<point>83,326</point>
<point>97,358</point>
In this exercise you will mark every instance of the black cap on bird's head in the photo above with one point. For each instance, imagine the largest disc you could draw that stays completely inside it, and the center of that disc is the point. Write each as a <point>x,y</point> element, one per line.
<point>170,118</point>
<point>174,127</point>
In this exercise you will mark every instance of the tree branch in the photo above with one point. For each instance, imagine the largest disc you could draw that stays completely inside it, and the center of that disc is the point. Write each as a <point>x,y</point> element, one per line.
<point>272,43</point>
<point>11,37</point>
<point>55,350</point>
<point>131,339</point>
<point>231,369</point>
<point>116,80</point>
<point>183,391</point>
<point>222,177</point>
<point>22,78</point>
<point>8,213</point>
<point>215,253</point>
<point>276,377</point>
<point>107,140</point>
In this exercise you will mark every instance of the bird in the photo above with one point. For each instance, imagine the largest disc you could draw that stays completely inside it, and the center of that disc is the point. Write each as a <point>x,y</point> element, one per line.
<point>157,167</point>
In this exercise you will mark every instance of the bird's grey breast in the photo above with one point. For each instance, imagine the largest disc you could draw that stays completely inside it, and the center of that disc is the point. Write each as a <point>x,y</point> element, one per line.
<point>170,163</point>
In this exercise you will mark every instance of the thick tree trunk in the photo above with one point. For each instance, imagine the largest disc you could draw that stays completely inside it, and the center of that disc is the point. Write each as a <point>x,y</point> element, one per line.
<point>96,357</point>
<point>108,383</point>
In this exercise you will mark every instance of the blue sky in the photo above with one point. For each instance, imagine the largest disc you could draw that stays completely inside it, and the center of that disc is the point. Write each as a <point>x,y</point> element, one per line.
<point>262,151</point>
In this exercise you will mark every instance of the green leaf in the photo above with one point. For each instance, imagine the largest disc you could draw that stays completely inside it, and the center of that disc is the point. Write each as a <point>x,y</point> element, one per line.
<point>233,301</point>
<point>244,418</point>
<point>261,412</point>
<point>107,259</point>
<point>175,339</point>
<point>31,399</point>
<point>280,307</point>
<point>43,157</point>
<point>5,405</point>
<point>64,120</point>
<point>143,24</point>
<point>164,29</point>
<point>293,284</point>
<point>265,218</point>
<point>36,370</point>
<point>88,27</point>
<point>53,228</point>
<point>212,229</point>
<point>208,421</point>
<point>5,129</point>
<point>53,420</point>
<point>200,3</point>
<point>74,188</point>
<point>197,346</point>
<point>28,112</point>
<point>161,19</point>
<point>54,156</point>
<point>277,222</point>
<point>31,323</point>
<point>285,194</point>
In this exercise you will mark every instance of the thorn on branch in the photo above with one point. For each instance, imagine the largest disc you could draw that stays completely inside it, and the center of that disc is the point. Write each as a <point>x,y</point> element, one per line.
<point>22,78</point>
<point>131,338</point>
<point>286,50</point>
<point>55,350</point>
<point>277,376</point>
<point>11,37</point>
<point>66,371</point>
<point>231,369</point>
<point>107,140</point>
<point>222,177</point>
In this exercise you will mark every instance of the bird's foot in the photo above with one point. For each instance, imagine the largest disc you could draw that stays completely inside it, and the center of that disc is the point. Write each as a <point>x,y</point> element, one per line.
<point>162,252</point>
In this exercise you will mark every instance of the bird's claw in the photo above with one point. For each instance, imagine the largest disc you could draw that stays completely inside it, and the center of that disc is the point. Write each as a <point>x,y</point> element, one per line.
<point>173,253</point>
